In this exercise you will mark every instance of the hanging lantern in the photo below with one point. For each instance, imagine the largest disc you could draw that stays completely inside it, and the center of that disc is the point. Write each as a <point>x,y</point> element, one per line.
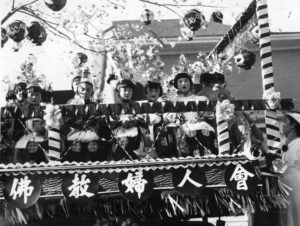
<point>4,36</point>
<point>36,33</point>
<point>16,30</point>
<point>147,17</point>
<point>187,33</point>
<point>79,60</point>
<point>217,17</point>
<point>194,20</point>
<point>55,5</point>
<point>254,35</point>
<point>245,60</point>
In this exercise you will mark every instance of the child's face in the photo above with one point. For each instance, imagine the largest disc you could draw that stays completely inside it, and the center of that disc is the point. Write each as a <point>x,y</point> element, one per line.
<point>126,93</point>
<point>34,97</point>
<point>38,126</point>
<point>75,84</point>
<point>153,94</point>
<point>184,85</point>
<point>21,93</point>
<point>85,90</point>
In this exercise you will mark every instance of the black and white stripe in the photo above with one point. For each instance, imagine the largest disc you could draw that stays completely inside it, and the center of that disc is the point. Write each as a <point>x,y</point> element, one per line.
<point>272,124</point>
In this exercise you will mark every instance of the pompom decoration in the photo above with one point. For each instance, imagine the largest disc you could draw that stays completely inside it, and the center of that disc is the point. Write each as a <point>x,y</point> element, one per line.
<point>55,5</point>
<point>187,34</point>
<point>194,20</point>
<point>273,99</point>
<point>253,35</point>
<point>36,33</point>
<point>245,60</point>
<point>147,17</point>
<point>225,110</point>
<point>217,17</point>
<point>53,116</point>
<point>4,36</point>
<point>279,166</point>
<point>79,60</point>
<point>16,30</point>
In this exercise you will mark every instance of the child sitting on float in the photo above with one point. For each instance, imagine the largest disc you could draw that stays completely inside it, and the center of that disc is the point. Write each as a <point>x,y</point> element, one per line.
<point>244,135</point>
<point>85,90</point>
<point>194,136</point>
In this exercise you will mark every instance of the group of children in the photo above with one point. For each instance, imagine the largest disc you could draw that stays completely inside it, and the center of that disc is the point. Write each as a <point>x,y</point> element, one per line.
<point>120,137</point>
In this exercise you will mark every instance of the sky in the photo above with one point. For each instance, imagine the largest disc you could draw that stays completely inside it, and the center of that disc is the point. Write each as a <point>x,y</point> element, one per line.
<point>54,56</point>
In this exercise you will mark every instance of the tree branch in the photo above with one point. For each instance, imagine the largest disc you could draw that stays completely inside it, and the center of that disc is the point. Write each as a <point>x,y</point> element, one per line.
<point>15,10</point>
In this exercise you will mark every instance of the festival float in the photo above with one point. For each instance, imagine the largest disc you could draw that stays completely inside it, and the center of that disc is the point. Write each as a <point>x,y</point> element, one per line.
<point>66,157</point>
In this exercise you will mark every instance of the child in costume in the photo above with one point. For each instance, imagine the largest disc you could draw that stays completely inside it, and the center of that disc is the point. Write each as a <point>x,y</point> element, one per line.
<point>33,144</point>
<point>85,90</point>
<point>195,137</point>
<point>127,128</point>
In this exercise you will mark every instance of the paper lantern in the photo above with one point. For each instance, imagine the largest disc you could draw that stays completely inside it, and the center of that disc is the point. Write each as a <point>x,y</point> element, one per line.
<point>36,33</point>
<point>16,30</point>
<point>147,17</point>
<point>4,36</point>
<point>194,20</point>
<point>79,60</point>
<point>217,16</point>
<point>55,5</point>
<point>245,60</point>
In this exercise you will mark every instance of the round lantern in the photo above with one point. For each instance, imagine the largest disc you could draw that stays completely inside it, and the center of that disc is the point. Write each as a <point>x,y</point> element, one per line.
<point>194,20</point>
<point>187,33</point>
<point>147,17</point>
<point>217,16</point>
<point>245,60</point>
<point>36,33</point>
<point>4,36</point>
<point>79,60</point>
<point>16,30</point>
<point>55,5</point>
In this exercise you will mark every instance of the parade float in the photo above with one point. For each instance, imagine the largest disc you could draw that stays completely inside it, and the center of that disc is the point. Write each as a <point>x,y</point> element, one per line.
<point>57,173</point>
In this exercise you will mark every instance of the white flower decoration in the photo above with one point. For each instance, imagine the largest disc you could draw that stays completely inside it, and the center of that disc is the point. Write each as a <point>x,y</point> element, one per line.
<point>225,110</point>
<point>52,116</point>
<point>273,99</point>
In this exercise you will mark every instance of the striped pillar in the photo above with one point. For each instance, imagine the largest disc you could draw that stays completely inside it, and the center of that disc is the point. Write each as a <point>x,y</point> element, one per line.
<point>54,143</point>
<point>223,136</point>
<point>272,124</point>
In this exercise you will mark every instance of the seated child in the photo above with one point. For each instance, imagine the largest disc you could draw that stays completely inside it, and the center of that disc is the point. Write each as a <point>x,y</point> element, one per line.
<point>84,93</point>
<point>21,92</point>
<point>33,144</point>
<point>124,89</point>
<point>198,134</point>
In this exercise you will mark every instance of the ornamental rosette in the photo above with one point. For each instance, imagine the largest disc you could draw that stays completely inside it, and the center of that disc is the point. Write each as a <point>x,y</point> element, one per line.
<point>279,166</point>
<point>273,99</point>
<point>53,116</point>
<point>225,110</point>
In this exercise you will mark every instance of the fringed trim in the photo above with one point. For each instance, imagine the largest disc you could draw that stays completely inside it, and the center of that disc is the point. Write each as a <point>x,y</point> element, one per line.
<point>161,205</point>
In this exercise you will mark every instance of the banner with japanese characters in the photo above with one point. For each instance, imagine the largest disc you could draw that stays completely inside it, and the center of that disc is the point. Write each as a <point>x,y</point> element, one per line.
<point>137,185</point>
<point>241,178</point>
<point>189,181</point>
<point>80,188</point>
<point>22,191</point>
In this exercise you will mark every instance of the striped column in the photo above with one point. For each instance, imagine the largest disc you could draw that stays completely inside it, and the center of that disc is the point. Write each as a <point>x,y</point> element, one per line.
<point>272,124</point>
<point>54,143</point>
<point>223,136</point>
